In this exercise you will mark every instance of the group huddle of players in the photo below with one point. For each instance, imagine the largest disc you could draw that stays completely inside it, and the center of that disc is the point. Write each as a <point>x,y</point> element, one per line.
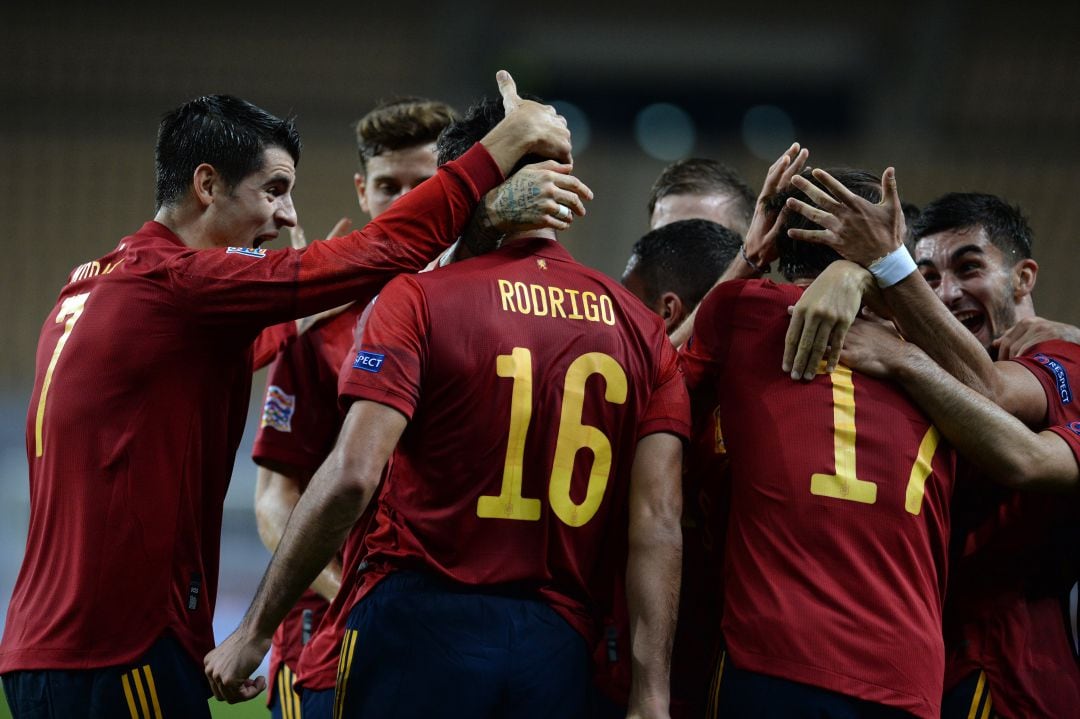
<point>472,481</point>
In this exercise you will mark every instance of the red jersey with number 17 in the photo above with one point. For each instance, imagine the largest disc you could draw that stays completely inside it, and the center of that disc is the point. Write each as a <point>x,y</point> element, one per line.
<point>835,560</point>
<point>528,380</point>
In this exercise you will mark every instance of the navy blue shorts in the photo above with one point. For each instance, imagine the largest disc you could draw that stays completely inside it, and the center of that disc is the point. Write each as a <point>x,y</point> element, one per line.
<point>286,701</point>
<point>970,698</point>
<point>760,696</point>
<point>164,682</point>
<point>421,646</point>
<point>317,703</point>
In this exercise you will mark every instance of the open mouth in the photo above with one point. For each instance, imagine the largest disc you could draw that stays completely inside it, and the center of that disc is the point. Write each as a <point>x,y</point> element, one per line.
<point>261,239</point>
<point>973,320</point>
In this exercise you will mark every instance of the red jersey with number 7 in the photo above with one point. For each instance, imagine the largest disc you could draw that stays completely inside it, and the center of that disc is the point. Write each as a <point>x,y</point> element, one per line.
<point>835,560</point>
<point>528,380</point>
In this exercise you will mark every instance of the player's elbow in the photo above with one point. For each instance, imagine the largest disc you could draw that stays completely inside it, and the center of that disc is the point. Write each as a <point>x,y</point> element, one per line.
<point>1040,462</point>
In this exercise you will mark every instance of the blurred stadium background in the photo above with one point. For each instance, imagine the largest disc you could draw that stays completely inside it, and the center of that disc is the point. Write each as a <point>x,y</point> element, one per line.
<point>958,95</point>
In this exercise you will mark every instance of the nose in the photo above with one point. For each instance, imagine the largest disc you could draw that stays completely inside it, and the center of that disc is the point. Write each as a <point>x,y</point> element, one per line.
<point>949,289</point>
<point>285,212</point>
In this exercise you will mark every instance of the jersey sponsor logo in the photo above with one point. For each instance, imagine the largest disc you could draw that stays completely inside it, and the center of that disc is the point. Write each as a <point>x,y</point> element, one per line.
<point>557,302</point>
<point>256,252</point>
<point>1061,377</point>
<point>278,409</point>
<point>368,361</point>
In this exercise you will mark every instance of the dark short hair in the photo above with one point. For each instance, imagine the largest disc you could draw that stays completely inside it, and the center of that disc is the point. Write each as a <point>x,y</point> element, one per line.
<point>699,176</point>
<point>221,130</point>
<point>399,123</point>
<point>479,120</point>
<point>1005,225</point>
<point>806,260</point>
<point>685,257</point>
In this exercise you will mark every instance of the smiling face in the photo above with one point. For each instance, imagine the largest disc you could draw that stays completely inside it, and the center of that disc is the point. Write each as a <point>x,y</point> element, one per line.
<point>256,208</point>
<point>973,278</point>
<point>393,173</point>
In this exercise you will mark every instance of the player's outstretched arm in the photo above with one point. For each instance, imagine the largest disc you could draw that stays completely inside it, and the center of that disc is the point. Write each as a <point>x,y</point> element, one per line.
<point>985,434</point>
<point>759,245</point>
<point>653,570</point>
<point>336,497</point>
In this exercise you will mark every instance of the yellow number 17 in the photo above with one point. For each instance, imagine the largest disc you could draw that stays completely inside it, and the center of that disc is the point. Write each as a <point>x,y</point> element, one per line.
<point>844,484</point>
<point>71,309</point>
<point>573,436</point>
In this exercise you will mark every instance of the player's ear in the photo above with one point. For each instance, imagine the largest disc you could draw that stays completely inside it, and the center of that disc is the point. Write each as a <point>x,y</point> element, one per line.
<point>672,310</point>
<point>361,191</point>
<point>203,183</point>
<point>1024,274</point>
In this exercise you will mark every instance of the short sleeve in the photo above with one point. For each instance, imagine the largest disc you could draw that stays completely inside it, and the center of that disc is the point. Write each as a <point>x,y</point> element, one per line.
<point>1056,364</point>
<point>669,405</point>
<point>387,363</point>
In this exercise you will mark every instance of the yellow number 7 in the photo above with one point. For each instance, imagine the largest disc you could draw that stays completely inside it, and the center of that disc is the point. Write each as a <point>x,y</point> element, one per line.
<point>70,309</point>
<point>844,484</point>
<point>573,436</point>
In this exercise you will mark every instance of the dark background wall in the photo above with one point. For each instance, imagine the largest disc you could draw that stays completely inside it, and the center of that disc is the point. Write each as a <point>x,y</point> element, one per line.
<point>957,95</point>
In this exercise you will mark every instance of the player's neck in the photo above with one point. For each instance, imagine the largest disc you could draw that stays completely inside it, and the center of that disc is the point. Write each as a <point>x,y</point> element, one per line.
<point>545,233</point>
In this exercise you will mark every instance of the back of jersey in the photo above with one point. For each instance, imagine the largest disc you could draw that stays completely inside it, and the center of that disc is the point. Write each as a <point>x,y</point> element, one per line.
<point>528,380</point>
<point>837,545</point>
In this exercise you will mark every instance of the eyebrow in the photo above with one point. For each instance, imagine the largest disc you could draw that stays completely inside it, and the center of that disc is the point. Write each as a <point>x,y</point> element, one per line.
<point>965,250</point>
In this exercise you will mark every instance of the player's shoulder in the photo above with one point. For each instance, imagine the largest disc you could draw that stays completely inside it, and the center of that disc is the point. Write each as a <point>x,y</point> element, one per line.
<point>748,297</point>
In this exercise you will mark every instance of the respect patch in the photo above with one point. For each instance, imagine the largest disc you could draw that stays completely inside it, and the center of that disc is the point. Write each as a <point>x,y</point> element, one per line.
<point>1061,377</point>
<point>368,361</point>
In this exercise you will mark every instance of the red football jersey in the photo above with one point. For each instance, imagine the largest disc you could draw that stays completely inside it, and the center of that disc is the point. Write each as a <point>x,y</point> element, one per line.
<point>1012,595</point>
<point>835,557</point>
<point>528,380</point>
<point>270,341</point>
<point>141,391</point>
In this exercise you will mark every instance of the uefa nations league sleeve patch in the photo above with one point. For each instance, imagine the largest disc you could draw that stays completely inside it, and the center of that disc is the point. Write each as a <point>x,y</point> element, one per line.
<point>278,409</point>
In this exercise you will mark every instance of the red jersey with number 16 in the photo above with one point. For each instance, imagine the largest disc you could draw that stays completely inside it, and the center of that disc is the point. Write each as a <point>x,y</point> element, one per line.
<point>835,559</point>
<point>528,380</point>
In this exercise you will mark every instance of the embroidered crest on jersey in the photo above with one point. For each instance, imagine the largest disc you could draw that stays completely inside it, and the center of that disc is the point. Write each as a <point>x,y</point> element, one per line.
<point>256,252</point>
<point>541,263</point>
<point>1061,377</point>
<point>278,409</point>
<point>368,361</point>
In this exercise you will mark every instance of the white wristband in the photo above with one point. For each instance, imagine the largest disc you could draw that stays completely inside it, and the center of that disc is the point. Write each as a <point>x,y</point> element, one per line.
<point>893,267</point>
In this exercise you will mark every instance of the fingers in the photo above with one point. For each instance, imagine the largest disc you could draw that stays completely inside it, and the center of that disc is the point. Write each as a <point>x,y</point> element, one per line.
<point>297,240</point>
<point>791,339</point>
<point>508,90</point>
<point>889,192</point>
<point>836,346</point>
<point>841,193</point>
<point>816,215</point>
<point>810,349</point>
<point>818,196</point>
<point>794,168</point>
<point>340,228</point>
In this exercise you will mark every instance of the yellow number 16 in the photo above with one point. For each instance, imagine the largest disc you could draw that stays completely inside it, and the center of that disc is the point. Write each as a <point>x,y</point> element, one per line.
<point>573,436</point>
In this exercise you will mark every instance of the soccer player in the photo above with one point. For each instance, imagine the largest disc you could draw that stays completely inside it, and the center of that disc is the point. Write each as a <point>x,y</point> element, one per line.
<point>836,551</point>
<point>709,190</point>
<point>671,269</point>
<point>301,415</point>
<point>396,148</point>
<point>1014,587</point>
<point>537,409</point>
<point>699,188</point>
<point>141,389</point>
